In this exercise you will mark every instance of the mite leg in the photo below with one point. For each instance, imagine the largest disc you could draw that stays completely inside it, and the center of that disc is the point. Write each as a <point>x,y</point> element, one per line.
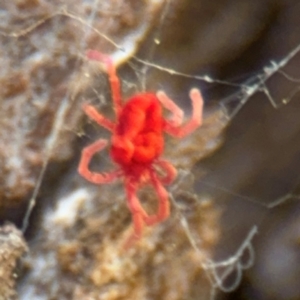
<point>169,169</point>
<point>83,168</point>
<point>163,204</point>
<point>97,117</point>
<point>174,127</point>
<point>138,214</point>
<point>177,113</point>
<point>137,211</point>
<point>112,74</point>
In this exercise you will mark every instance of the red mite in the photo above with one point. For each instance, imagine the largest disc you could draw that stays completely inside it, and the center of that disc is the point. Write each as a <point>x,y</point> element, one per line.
<point>137,143</point>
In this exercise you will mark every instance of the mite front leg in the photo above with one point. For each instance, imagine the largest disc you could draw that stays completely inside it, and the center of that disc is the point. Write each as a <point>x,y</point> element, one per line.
<point>177,113</point>
<point>173,127</point>
<point>112,74</point>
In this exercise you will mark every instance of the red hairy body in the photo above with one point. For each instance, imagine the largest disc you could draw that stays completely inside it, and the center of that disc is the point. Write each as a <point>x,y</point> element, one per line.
<point>138,137</point>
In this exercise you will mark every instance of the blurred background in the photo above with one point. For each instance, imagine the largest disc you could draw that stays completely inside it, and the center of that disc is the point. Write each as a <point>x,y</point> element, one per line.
<point>235,200</point>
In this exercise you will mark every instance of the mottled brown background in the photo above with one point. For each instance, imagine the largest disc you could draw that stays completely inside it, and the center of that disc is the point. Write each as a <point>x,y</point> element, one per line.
<point>241,165</point>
